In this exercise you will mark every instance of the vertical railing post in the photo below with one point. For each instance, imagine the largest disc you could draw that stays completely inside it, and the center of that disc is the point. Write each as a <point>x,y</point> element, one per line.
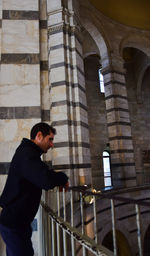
<point>64,233</point>
<point>82,220</point>
<point>138,222</point>
<point>53,240</point>
<point>72,224</point>
<point>58,228</point>
<point>95,218</point>
<point>114,227</point>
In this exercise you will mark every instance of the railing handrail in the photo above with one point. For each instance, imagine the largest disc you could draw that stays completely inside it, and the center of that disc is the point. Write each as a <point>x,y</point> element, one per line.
<point>87,196</point>
<point>73,232</point>
<point>109,195</point>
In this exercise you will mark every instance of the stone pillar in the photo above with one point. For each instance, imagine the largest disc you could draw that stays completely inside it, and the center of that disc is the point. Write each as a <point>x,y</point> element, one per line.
<point>67,91</point>
<point>0,30</point>
<point>19,75</point>
<point>45,99</point>
<point>119,125</point>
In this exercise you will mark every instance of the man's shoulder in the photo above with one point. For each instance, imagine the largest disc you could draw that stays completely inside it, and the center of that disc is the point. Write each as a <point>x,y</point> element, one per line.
<point>27,147</point>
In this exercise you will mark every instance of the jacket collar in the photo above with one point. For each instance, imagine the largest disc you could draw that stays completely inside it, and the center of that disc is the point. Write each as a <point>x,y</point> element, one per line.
<point>26,141</point>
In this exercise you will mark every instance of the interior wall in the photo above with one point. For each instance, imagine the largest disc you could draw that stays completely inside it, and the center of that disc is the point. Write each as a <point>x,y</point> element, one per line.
<point>97,118</point>
<point>139,111</point>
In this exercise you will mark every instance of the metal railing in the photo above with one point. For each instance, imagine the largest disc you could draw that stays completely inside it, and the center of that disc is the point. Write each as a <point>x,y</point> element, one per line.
<point>64,229</point>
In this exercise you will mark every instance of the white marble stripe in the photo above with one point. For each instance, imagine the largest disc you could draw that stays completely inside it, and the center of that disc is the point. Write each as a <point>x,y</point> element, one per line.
<point>20,36</point>
<point>21,5</point>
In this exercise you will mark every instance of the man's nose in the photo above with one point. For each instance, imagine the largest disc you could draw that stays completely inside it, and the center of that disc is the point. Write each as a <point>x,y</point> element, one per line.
<point>51,144</point>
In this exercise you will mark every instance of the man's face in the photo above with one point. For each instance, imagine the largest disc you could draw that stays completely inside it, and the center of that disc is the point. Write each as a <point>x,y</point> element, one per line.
<point>45,143</point>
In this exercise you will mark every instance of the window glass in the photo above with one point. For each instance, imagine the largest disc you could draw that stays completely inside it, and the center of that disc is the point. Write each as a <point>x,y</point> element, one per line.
<point>101,82</point>
<point>107,170</point>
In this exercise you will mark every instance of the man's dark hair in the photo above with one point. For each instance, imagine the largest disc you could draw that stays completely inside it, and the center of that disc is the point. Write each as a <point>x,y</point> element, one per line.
<point>44,128</point>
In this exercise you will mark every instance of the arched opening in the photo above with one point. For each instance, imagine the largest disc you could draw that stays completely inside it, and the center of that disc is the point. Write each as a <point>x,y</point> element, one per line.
<point>107,168</point>
<point>123,248</point>
<point>137,65</point>
<point>97,118</point>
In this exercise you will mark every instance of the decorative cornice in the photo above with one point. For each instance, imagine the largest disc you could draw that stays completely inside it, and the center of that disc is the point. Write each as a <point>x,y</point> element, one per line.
<point>66,29</point>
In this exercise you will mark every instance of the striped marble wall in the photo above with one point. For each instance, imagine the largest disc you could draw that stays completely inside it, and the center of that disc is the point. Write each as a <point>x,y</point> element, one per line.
<point>20,75</point>
<point>67,92</point>
<point>45,99</point>
<point>119,128</point>
<point>0,27</point>
<point>23,77</point>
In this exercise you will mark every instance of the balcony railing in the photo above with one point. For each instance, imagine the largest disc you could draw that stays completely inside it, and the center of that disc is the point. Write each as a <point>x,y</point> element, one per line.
<point>64,227</point>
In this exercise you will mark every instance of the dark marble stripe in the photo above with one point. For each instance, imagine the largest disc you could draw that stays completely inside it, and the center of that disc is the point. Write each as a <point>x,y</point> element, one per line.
<point>43,24</point>
<point>133,215</point>
<point>70,122</point>
<point>20,58</point>
<point>71,144</point>
<point>60,103</point>
<point>76,85</point>
<point>20,15</point>
<point>56,30</point>
<point>117,109</point>
<point>44,65</point>
<point>120,138</point>
<point>71,166</point>
<point>127,216</point>
<point>122,151</point>
<point>68,103</point>
<point>20,112</point>
<point>114,82</point>
<point>4,168</point>
<point>58,65</point>
<point>0,23</point>
<point>66,83</point>
<point>60,83</point>
<point>122,164</point>
<point>128,178</point>
<point>119,123</point>
<point>133,231</point>
<point>60,29</point>
<point>56,47</point>
<point>109,71</point>
<point>45,115</point>
<point>113,96</point>
<point>64,64</point>
<point>62,46</point>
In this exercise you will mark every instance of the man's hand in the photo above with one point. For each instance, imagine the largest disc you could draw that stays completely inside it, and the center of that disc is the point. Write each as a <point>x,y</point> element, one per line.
<point>66,186</point>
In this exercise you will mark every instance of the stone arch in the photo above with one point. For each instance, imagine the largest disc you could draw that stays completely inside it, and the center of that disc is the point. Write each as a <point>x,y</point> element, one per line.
<point>99,40</point>
<point>120,228</point>
<point>139,83</point>
<point>123,246</point>
<point>135,41</point>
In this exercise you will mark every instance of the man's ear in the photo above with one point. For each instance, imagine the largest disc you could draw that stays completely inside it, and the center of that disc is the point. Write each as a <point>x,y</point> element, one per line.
<point>39,136</point>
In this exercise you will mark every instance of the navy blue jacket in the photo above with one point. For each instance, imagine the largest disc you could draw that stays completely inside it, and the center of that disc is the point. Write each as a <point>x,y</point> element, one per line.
<point>27,176</point>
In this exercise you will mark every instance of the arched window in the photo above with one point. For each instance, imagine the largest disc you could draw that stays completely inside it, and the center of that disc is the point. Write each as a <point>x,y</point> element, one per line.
<point>107,169</point>
<point>101,81</point>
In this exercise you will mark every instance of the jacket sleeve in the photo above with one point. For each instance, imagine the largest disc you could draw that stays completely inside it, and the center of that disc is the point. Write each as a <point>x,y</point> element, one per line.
<point>38,173</point>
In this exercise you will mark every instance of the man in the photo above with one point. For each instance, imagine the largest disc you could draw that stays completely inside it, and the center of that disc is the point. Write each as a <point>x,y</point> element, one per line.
<point>20,199</point>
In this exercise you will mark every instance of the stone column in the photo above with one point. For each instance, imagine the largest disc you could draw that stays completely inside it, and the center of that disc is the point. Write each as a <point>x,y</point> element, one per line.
<point>67,91</point>
<point>45,99</point>
<point>0,30</point>
<point>19,75</point>
<point>119,125</point>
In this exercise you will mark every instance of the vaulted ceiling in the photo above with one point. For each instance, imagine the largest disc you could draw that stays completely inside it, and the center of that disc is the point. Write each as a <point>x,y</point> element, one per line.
<point>135,13</point>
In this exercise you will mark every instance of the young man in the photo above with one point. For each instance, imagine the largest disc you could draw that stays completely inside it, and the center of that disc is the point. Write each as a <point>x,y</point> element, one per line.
<point>20,199</point>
